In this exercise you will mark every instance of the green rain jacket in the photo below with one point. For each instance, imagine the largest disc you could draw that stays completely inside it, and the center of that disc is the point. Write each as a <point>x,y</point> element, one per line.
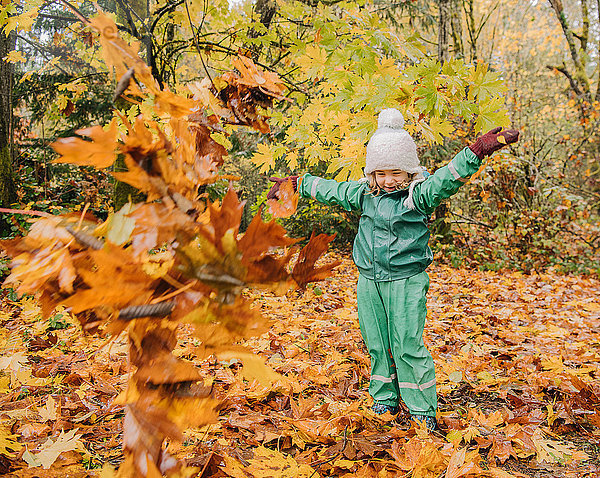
<point>392,238</point>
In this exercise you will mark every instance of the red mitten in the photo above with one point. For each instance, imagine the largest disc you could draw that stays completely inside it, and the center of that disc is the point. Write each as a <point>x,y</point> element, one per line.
<point>274,191</point>
<point>493,140</point>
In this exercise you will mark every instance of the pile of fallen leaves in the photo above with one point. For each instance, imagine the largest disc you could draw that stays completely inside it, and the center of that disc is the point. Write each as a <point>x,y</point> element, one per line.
<point>517,360</point>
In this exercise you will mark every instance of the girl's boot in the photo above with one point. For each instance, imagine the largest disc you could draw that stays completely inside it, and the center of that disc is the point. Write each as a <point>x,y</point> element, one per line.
<point>380,408</point>
<point>430,422</point>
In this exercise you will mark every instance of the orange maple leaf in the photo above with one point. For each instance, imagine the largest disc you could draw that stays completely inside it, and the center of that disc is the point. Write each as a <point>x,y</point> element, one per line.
<point>115,280</point>
<point>266,81</point>
<point>100,152</point>
<point>260,237</point>
<point>287,203</point>
<point>224,218</point>
<point>304,270</point>
<point>157,224</point>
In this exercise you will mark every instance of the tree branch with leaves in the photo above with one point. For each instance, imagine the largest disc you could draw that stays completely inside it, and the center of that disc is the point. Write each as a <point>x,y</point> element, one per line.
<point>103,272</point>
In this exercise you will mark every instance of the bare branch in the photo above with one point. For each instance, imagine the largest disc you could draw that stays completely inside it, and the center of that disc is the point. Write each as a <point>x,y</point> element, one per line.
<point>76,12</point>
<point>130,21</point>
<point>61,18</point>
<point>158,14</point>
<point>572,81</point>
<point>196,41</point>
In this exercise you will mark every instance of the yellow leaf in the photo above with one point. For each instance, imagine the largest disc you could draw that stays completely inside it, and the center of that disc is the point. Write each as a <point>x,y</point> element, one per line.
<point>313,61</point>
<point>263,158</point>
<point>486,378</point>
<point>14,362</point>
<point>5,384</point>
<point>51,450</point>
<point>157,265</point>
<point>271,463</point>
<point>107,471</point>
<point>15,57</point>
<point>21,22</point>
<point>121,225</point>
<point>222,140</point>
<point>552,451</point>
<point>591,306</point>
<point>202,93</point>
<point>341,463</point>
<point>255,368</point>
<point>454,436</point>
<point>232,467</point>
<point>8,441</point>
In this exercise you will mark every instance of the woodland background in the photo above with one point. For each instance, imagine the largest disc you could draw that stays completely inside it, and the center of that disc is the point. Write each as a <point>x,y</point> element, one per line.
<point>455,68</point>
<point>536,208</point>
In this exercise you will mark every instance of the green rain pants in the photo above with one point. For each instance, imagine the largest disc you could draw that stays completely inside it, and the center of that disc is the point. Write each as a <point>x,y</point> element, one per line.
<point>392,318</point>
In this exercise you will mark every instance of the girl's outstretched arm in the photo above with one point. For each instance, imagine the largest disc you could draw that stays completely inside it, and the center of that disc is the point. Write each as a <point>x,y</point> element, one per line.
<point>347,194</point>
<point>447,180</point>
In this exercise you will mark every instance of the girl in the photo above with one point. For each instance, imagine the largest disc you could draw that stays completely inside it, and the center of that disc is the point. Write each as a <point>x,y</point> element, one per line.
<point>391,252</point>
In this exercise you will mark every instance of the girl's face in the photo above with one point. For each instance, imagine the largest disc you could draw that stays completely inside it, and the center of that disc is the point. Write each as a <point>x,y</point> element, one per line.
<point>392,179</point>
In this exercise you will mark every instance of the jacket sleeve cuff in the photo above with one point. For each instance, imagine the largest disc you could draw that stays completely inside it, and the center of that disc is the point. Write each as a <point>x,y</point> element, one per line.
<point>303,182</point>
<point>464,164</point>
<point>309,185</point>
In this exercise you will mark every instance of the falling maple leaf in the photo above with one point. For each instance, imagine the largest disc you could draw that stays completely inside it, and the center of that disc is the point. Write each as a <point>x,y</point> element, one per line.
<point>154,224</point>
<point>100,152</point>
<point>101,272</point>
<point>264,80</point>
<point>261,237</point>
<point>304,270</point>
<point>287,201</point>
<point>103,269</point>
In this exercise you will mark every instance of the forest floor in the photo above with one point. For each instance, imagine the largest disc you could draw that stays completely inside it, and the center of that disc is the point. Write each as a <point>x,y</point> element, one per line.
<point>518,377</point>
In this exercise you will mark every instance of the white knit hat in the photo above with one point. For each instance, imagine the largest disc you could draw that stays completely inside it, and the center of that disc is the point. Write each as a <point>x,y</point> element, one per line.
<point>391,147</point>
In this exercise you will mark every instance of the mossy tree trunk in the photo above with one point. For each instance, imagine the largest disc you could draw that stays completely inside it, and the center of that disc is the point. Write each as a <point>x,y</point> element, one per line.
<point>8,192</point>
<point>441,228</point>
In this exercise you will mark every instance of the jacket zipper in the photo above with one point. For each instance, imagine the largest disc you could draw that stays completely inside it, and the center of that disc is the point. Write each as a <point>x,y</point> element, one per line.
<point>389,239</point>
<point>373,240</point>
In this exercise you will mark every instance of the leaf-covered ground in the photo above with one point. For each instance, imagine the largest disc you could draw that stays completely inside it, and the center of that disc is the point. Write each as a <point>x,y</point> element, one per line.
<point>517,360</point>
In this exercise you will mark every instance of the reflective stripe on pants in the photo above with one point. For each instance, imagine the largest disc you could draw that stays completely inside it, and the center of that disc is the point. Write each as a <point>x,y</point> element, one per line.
<point>392,318</point>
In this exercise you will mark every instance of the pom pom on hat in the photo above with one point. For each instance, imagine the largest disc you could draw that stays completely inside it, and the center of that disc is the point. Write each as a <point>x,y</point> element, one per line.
<point>390,118</point>
<point>391,147</point>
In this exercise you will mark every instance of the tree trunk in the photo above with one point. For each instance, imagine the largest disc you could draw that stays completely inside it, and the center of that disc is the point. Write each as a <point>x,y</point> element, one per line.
<point>471,29</point>
<point>444,19</point>
<point>8,193</point>
<point>441,228</point>
<point>580,81</point>
<point>457,30</point>
<point>265,10</point>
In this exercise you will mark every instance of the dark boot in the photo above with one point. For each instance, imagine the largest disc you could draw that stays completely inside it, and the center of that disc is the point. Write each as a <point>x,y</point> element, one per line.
<point>379,409</point>
<point>430,422</point>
